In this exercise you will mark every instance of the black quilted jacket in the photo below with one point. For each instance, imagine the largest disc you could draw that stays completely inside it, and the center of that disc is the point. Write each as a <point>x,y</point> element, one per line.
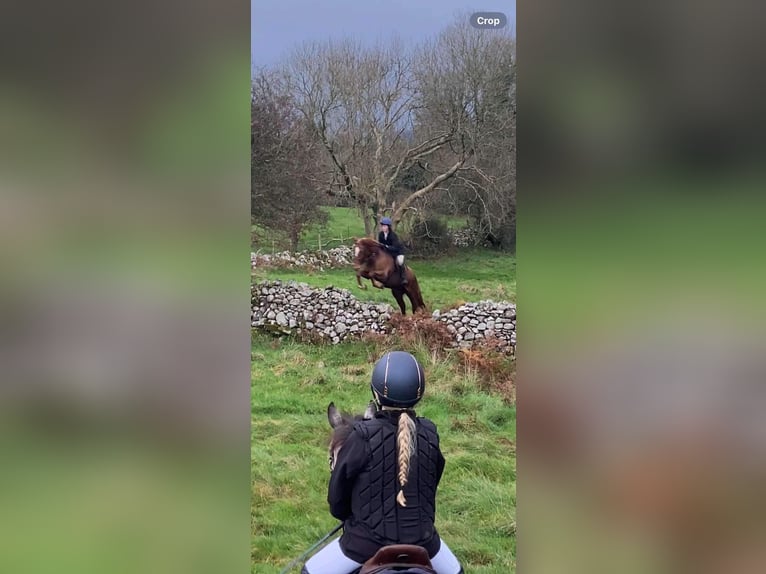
<point>392,243</point>
<point>364,485</point>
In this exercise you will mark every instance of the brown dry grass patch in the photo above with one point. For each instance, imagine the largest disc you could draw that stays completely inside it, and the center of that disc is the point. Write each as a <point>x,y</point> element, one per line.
<point>495,371</point>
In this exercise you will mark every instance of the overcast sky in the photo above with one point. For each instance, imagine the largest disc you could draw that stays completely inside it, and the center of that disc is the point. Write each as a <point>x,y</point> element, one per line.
<point>279,25</point>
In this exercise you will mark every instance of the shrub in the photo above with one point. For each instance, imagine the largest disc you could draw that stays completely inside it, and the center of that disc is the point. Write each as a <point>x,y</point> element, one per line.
<point>416,330</point>
<point>429,236</point>
<point>496,372</point>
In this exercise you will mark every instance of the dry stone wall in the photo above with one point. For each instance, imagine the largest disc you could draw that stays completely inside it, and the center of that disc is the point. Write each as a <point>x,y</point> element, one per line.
<point>341,256</point>
<point>336,315</point>
<point>472,322</point>
<point>330,313</point>
<point>333,258</point>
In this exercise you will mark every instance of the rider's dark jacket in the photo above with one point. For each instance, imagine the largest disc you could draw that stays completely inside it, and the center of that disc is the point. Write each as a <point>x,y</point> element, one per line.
<point>392,243</point>
<point>364,485</point>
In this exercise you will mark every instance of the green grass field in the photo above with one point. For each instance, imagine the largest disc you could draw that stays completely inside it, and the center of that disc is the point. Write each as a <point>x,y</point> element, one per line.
<point>292,386</point>
<point>470,275</point>
<point>293,383</point>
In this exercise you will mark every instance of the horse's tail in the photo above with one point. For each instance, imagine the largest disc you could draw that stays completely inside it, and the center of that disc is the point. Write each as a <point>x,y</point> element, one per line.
<point>415,294</point>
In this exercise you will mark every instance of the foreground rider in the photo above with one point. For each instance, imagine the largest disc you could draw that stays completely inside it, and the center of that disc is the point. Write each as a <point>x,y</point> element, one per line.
<point>383,484</point>
<point>391,242</point>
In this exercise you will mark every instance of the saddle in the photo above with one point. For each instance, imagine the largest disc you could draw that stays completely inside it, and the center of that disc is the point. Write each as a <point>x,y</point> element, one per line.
<point>399,558</point>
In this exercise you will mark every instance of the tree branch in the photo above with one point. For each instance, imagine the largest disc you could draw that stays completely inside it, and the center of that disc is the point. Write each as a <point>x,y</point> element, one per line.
<point>418,152</point>
<point>428,189</point>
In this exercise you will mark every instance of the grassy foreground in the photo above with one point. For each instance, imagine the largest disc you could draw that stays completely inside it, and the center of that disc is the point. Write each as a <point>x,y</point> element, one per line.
<point>293,382</point>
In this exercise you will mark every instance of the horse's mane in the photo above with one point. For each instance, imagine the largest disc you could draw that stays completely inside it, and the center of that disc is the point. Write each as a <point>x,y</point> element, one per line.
<point>368,249</point>
<point>370,243</point>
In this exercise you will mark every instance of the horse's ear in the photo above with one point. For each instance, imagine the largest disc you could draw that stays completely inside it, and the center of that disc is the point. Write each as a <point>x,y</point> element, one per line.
<point>369,412</point>
<point>333,416</point>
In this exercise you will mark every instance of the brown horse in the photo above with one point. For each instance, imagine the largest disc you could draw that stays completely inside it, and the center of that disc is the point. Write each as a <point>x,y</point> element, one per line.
<point>373,262</point>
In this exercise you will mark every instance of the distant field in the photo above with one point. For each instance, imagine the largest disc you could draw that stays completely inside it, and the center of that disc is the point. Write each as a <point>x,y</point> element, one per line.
<point>471,275</point>
<point>343,224</point>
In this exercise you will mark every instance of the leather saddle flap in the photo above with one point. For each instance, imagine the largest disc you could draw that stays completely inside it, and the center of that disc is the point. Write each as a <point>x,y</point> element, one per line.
<point>397,554</point>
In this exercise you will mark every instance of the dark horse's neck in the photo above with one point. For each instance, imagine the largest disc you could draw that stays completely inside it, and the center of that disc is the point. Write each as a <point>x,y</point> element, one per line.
<point>375,248</point>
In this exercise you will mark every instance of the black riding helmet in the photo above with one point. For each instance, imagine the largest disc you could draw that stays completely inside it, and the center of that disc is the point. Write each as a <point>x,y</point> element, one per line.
<point>398,380</point>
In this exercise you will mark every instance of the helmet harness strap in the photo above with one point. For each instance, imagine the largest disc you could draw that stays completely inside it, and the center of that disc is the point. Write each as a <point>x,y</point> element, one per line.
<point>376,400</point>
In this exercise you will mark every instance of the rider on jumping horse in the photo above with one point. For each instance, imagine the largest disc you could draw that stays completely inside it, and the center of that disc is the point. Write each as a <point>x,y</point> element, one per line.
<point>391,242</point>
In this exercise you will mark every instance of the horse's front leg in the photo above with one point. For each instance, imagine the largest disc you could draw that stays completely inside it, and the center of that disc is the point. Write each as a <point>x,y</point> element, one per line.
<point>374,279</point>
<point>378,280</point>
<point>359,280</point>
<point>398,294</point>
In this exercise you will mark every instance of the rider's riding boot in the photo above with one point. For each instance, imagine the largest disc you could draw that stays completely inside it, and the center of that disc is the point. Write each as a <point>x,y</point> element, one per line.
<point>403,274</point>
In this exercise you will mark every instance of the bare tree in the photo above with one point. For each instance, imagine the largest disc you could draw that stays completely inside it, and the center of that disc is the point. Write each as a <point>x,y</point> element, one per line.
<point>398,127</point>
<point>363,104</point>
<point>285,162</point>
<point>470,78</point>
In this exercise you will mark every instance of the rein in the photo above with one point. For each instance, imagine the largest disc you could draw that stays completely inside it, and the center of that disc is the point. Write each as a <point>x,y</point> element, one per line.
<point>317,544</point>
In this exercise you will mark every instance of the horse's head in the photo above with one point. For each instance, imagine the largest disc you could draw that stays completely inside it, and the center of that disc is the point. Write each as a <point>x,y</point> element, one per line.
<point>343,424</point>
<point>365,249</point>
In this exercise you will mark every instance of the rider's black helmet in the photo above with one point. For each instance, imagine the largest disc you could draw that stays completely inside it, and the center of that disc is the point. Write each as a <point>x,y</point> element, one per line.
<point>398,380</point>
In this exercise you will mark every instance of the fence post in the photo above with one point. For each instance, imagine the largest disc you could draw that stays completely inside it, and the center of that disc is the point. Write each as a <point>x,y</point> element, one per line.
<point>319,240</point>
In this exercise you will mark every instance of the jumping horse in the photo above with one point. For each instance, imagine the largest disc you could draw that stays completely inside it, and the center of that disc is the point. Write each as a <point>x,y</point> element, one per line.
<point>395,558</point>
<point>373,262</point>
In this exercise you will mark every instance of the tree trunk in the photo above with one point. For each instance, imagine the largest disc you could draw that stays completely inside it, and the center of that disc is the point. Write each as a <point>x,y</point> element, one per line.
<point>365,217</point>
<point>294,237</point>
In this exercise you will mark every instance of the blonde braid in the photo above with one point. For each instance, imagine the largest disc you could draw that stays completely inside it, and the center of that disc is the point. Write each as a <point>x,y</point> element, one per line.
<point>406,437</point>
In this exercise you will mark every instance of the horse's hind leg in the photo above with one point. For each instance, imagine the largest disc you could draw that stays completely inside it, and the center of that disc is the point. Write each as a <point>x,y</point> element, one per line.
<point>399,296</point>
<point>416,298</point>
<point>412,302</point>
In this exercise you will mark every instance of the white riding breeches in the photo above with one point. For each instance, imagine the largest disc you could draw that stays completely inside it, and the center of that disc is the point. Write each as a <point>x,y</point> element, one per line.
<point>331,560</point>
<point>400,260</point>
